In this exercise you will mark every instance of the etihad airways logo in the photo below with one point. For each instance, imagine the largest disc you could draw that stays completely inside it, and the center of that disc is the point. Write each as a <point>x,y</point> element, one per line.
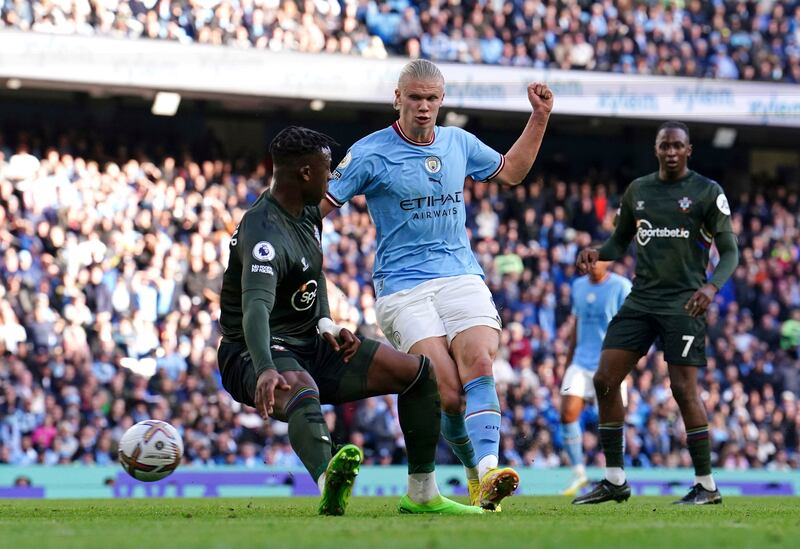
<point>646,232</point>
<point>432,201</point>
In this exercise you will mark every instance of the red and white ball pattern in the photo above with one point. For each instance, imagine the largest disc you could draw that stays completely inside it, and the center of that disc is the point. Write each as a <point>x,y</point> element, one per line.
<point>150,450</point>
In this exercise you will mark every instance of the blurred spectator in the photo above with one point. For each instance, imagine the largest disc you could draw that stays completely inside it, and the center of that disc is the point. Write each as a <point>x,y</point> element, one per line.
<point>745,39</point>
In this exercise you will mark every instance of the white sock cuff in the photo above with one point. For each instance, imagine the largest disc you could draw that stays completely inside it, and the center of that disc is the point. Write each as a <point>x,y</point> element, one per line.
<point>615,475</point>
<point>422,487</point>
<point>706,481</point>
<point>486,463</point>
<point>321,482</point>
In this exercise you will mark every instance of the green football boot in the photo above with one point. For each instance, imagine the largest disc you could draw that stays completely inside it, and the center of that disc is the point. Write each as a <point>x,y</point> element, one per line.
<point>439,505</point>
<point>339,477</point>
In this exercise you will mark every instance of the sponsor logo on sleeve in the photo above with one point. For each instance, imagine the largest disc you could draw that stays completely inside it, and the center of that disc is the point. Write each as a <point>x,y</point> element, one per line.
<point>345,161</point>
<point>263,251</point>
<point>722,204</point>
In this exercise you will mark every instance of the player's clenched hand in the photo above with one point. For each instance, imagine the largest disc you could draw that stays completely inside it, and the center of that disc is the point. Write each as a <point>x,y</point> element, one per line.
<point>586,260</point>
<point>541,97</point>
<point>267,383</point>
<point>701,299</point>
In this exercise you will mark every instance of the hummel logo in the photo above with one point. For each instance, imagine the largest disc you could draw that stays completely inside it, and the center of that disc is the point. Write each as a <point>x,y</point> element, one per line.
<point>640,204</point>
<point>305,264</point>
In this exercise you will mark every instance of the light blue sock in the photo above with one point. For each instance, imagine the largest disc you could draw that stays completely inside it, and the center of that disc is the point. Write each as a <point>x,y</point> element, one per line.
<point>573,441</point>
<point>454,432</point>
<point>483,417</point>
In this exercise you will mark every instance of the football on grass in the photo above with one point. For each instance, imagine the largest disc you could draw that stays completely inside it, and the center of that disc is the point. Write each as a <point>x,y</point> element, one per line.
<point>150,450</point>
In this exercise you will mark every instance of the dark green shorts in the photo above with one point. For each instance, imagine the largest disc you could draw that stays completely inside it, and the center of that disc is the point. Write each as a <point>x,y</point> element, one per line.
<point>337,382</point>
<point>683,337</point>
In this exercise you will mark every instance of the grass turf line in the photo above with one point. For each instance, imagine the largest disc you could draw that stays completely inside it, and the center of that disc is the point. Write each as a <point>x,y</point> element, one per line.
<point>650,522</point>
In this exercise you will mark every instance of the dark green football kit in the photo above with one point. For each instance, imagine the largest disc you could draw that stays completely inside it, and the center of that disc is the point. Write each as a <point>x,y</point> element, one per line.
<point>674,224</point>
<point>276,260</point>
<point>273,295</point>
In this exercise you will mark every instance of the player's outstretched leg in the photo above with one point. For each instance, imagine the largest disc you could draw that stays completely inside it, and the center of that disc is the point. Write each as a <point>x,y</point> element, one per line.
<point>339,477</point>
<point>483,424</point>
<point>473,351</point>
<point>419,410</point>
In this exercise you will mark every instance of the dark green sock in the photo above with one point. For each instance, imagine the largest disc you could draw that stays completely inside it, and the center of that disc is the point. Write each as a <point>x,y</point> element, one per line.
<point>308,432</point>
<point>700,449</point>
<point>611,441</point>
<point>419,410</point>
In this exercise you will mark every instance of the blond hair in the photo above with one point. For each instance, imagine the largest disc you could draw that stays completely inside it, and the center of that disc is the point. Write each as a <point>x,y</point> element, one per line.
<point>418,69</point>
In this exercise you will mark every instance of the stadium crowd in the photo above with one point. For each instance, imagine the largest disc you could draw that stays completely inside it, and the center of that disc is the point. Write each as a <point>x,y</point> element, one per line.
<point>736,39</point>
<point>109,300</point>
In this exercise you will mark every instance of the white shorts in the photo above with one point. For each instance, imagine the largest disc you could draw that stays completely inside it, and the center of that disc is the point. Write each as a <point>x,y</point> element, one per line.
<point>578,382</point>
<point>439,307</point>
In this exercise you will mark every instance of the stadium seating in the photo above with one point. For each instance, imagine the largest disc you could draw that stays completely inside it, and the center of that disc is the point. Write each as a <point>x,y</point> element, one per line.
<point>745,40</point>
<point>111,271</point>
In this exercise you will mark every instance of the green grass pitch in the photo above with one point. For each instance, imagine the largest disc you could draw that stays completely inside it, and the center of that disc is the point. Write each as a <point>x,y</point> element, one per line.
<point>649,522</point>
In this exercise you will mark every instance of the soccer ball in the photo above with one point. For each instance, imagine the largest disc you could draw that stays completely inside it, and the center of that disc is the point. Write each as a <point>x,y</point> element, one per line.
<point>150,450</point>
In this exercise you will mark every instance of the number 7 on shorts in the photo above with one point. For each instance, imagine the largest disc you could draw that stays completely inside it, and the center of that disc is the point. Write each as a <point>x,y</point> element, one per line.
<point>689,340</point>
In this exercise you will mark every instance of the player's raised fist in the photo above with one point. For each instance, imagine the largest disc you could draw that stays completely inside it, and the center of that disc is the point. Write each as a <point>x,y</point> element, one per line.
<point>586,259</point>
<point>541,97</point>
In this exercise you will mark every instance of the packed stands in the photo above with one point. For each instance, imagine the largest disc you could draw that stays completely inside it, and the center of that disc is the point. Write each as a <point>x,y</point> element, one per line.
<point>111,271</point>
<point>745,40</point>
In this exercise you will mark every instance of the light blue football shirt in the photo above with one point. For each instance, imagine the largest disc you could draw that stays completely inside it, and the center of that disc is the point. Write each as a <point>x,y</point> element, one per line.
<point>594,305</point>
<point>415,196</point>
